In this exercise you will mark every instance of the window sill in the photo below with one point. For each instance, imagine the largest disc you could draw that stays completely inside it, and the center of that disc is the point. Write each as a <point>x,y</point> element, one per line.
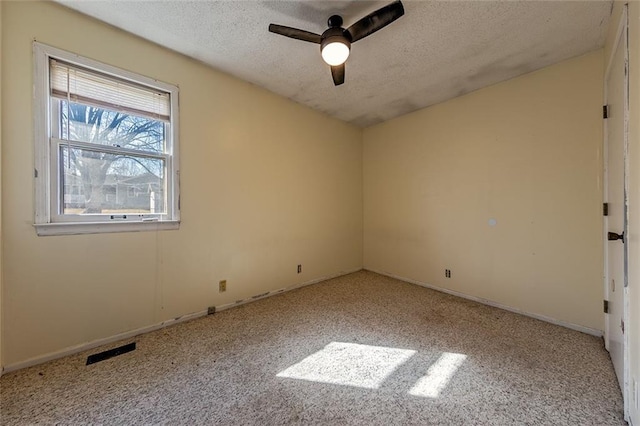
<point>76,228</point>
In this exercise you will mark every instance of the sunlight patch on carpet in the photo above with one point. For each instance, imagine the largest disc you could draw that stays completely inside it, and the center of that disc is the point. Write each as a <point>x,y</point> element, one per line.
<point>438,375</point>
<point>349,364</point>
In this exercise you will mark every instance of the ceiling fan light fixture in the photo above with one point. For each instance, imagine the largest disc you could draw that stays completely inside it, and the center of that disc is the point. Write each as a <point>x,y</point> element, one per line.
<point>335,50</point>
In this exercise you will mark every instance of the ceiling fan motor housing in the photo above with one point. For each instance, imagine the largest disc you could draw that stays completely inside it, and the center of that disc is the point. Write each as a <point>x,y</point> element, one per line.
<point>335,34</point>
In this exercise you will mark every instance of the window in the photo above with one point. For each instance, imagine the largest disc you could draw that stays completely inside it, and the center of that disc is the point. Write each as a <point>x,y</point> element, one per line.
<point>106,144</point>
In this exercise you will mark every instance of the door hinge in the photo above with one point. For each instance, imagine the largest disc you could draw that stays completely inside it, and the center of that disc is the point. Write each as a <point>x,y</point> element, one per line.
<point>622,326</point>
<point>605,209</point>
<point>606,306</point>
<point>612,236</point>
<point>605,111</point>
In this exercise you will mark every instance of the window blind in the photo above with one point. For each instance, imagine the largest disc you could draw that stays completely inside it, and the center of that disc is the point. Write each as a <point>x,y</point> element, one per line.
<point>85,86</point>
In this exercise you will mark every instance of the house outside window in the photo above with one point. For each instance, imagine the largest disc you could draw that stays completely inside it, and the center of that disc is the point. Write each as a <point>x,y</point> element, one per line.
<point>106,144</point>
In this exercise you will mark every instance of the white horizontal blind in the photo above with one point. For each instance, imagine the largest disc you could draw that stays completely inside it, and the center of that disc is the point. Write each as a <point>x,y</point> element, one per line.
<point>80,85</point>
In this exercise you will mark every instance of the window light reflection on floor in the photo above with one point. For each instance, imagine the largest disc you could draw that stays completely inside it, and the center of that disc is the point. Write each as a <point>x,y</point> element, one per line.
<point>349,364</point>
<point>438,375</point>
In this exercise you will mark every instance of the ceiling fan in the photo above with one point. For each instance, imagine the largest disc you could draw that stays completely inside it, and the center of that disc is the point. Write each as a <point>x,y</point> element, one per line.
<point>335,43</point>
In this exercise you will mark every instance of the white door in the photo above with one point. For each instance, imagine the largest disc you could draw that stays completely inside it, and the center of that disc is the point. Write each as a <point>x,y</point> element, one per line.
<point>615,195</point>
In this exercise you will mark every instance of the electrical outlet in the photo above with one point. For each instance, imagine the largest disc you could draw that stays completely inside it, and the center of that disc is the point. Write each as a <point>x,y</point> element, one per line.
<point>299,268</point>
<point>222,286</point>
<point>447,273</point>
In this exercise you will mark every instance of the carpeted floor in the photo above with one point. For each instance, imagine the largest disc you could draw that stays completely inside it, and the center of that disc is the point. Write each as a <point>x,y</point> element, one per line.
<point>360,349</point>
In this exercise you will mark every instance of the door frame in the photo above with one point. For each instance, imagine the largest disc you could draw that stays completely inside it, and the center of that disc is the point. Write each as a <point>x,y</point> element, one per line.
<point>622,33</point>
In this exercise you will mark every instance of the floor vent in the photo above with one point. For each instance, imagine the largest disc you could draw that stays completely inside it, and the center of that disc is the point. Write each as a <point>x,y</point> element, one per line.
<point>92,359</point>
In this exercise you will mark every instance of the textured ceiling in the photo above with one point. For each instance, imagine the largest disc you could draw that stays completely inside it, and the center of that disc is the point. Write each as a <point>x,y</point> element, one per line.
<point>435,52</point>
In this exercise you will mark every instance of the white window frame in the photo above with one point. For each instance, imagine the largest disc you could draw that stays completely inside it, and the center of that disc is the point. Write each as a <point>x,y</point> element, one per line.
<point>47,182</point>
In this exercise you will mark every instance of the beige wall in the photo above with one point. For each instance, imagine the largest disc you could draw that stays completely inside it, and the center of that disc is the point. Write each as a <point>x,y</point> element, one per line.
<point>633,237</point>
<point>527,153</point>
<point>263,188</point>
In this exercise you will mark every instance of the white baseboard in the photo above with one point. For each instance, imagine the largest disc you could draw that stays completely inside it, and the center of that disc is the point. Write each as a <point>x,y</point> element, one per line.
<point>129,334</point>
<point>99,342</point>
<point>283,290</point>
<point>317,280</point>
<point>583,329</point>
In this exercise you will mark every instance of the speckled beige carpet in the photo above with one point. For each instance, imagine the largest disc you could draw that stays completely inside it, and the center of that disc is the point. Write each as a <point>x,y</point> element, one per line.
<point>360,349</point>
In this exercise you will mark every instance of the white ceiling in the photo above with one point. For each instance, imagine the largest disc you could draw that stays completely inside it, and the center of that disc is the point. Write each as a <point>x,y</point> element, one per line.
<point>435,52</point>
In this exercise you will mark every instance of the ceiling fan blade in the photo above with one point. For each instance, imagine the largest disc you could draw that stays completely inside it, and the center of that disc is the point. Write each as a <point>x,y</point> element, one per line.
<point>337,72</point>
<point>375,21</point>
<point>295,33</point>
